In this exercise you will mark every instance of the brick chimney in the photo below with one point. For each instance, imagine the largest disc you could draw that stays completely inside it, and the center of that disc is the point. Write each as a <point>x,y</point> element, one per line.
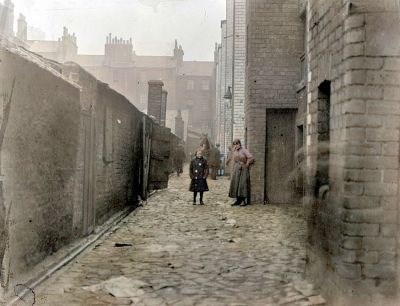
<point>164,107</point>
<point>155,98</point>
<point>118,51</point>
<point>179,125</point>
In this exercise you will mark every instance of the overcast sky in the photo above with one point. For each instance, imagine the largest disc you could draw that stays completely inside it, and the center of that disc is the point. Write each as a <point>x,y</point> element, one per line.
<point>153,24</point>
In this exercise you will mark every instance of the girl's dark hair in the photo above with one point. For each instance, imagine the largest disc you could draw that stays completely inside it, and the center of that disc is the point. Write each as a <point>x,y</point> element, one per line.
<point>236,141</point>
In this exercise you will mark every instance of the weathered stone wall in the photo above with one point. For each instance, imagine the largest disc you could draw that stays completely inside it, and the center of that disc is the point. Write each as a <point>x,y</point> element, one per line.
<point>84,190</point>
<point>117,138</point>
<point>40,115</point>
<point>72,154</point>
<point>353,225</point>
<point>274,46</point>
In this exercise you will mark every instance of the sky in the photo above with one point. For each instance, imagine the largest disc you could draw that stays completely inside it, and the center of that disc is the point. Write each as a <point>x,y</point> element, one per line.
<point>153,24</point>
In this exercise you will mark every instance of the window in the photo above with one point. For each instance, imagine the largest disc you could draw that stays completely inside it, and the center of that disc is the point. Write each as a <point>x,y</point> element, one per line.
<point>300,136</point>
<point>323,134</point>
<point>190,85</point>
<point>303,57</point>
<point>205,85</point>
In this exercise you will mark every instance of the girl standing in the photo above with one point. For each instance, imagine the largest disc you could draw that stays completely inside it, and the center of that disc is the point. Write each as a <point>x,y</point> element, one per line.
<point>198,174</point>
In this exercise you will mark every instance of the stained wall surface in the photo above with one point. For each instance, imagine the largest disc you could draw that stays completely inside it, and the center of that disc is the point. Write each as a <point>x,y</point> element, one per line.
<point>354,172</point>
<point>73,153</point>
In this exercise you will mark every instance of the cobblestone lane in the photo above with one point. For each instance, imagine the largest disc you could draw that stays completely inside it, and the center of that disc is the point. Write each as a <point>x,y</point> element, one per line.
<point>179,254</point>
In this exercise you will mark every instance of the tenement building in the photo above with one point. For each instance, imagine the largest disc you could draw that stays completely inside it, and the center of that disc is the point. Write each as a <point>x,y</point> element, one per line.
<point>339,94</point>
<point>230,75</point>
<point>7,25</point>
<point>7,19</point>
<point>190,84</point>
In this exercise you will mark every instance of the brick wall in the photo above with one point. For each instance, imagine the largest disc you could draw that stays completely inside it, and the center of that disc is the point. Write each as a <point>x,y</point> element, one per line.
<point>40,125</point>
<point>239,68</point>
<point>354,226</point>
<point>155,100</point>
<point>229,44</point>
<point>117,122</point>
<point>274,46</point>
<point>71,155</point>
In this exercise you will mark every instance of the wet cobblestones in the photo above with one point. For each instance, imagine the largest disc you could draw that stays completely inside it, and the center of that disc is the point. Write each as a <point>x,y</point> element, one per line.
<point>170,252</point>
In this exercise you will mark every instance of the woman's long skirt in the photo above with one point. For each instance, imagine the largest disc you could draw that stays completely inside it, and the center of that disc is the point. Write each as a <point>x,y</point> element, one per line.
<point>240,182</point>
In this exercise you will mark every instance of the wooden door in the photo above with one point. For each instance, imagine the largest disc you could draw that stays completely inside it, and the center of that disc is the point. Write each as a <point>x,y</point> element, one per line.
<point>280,150</point>
<point>88,176</point>
<point>160,152</point>
<point>146,134</point>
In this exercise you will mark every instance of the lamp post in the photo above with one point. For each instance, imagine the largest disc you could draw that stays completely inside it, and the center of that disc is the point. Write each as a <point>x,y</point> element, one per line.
<point>228,105</point>
<point>228,94</point>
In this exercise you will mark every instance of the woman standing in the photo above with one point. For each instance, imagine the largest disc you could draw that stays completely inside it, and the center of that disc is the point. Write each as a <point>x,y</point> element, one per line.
<point>240,178</point>
<point>198,174</point>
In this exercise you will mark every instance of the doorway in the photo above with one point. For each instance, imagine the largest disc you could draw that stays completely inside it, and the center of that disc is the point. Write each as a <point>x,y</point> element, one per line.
<point>279,155</point>
<point>88,176</point>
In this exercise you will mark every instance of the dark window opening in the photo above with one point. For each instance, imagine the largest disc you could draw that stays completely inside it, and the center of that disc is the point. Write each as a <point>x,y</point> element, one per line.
<point>323,136</point>
<point>300,136</point>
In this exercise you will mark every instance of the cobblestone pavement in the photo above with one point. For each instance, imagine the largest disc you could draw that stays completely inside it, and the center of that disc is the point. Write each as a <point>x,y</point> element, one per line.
<point>174,253</point>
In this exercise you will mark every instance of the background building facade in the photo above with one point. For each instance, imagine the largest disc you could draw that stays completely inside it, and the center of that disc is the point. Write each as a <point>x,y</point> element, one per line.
<point>190,84</point>
<point>275,45</point>
<point>230,68</point>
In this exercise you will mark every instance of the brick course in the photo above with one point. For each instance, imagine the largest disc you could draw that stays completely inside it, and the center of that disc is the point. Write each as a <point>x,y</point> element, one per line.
<point>360,209</point>
<point>274,47</point>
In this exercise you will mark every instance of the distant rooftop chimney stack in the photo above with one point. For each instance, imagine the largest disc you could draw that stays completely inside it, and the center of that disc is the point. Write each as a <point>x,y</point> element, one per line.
<point>68,48</point>
<point>118,51</point>
<point>178,52</point>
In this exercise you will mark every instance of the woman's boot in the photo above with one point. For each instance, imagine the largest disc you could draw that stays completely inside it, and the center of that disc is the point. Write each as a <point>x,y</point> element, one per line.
<point>238,201</point>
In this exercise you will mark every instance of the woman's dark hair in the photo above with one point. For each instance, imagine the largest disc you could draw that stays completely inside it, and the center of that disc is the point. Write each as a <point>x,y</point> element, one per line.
<point>237,141</point>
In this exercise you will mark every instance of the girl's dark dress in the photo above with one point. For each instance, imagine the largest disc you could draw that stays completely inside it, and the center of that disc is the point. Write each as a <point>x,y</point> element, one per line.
<point>198,174</point>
